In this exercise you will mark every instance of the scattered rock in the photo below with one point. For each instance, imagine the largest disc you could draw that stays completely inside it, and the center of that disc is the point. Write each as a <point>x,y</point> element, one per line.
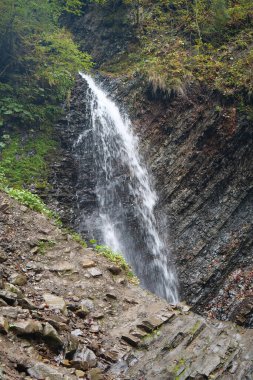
<point>72,344</point>
<point>66,363</point>
<point>37,267</point>
<point>87,263</point>
<point>27,304</point>
<point>55,302</point>
<point>139,333</point>
<point>95,374</point>
<point>18,279</point>
<point>131,301</point>
<point>130,339</point>
<point>150,324</point>
<point>82,312</point>
<point>4,207</point>
<point>14,289</point>
<point>38,277</point>
<point>4,325</point>
<point>2,302</point>
<point>7,296</point>
<point>58,322</point>
<point>88,303</point>
<point>112,356</point>
<point>94,272</point>
<point>98,315</point>
<point>34,250</point>
<point>121,280</point>
<point>14,312</point>
<point>79,373</point>
<point>77,332</point>
<point>84,359</point>
<point>27,327</point>
<point>41,371</point>
<point>50,333</point>
<point>111,296</point>
<point>243,313</point>
<point>63,266</point>
<point>114,269</point>
<point>3,257</point>
<point>183,307</point>
<point>1,282</point>
<point>94,328</point>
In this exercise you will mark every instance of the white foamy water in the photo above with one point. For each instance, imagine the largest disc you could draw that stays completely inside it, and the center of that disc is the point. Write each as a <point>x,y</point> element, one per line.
<point>125,197</point>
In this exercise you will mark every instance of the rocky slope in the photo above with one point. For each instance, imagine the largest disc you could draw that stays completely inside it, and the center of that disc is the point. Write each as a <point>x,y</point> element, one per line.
<point>67,313</point>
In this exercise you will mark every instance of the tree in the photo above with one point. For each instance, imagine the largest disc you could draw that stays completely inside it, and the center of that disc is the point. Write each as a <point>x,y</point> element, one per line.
<point>220,15</point>
<point>38,59</point>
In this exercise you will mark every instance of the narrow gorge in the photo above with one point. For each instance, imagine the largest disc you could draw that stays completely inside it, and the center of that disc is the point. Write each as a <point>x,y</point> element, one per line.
<point>126,190</point>
<point>197,146</point>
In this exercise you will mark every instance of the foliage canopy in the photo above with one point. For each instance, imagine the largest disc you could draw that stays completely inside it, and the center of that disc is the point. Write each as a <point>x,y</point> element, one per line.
<point>38,59</point>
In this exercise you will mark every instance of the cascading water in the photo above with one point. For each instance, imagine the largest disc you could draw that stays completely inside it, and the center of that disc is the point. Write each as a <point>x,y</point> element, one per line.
<point>124,217</point>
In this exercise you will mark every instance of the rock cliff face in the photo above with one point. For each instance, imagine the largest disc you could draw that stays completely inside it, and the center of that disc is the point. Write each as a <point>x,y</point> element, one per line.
<point>198,148</point>
<point>199,151</point>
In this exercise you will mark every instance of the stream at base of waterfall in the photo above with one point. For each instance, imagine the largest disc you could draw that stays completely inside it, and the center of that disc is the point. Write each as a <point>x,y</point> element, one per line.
<point>124,218</point>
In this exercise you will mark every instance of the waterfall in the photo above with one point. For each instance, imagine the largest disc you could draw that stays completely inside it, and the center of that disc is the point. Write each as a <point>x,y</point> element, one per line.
<point>125,200</point>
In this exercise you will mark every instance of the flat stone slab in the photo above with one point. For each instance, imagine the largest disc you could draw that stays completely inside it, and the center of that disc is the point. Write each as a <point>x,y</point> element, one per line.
<point>94,272</point>
<point>54,302</point>
<point>64,266</point>
<point>130,339</point>
<point>29,326</point>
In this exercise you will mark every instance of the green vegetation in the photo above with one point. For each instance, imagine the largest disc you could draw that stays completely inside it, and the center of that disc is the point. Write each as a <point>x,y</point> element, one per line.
<point>75,236</point>
<point>38,64</point>
<point>195,328</point>
<point>117,259</point>
<point>29,199</point>
<point>25,162</point>
<point>182,42</point>
<point>43,246</point>
<point>179,367</point>
<point>38,60</point>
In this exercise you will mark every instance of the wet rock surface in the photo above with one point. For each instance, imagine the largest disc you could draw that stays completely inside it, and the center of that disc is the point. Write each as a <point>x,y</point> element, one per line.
<point>198,149</point>
<point>124,332</point>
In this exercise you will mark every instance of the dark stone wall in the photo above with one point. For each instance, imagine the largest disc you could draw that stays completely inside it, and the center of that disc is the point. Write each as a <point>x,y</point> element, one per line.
<point>200,153</point>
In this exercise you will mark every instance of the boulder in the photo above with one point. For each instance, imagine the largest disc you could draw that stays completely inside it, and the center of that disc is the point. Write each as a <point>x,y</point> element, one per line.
<point>12,312</point>
<point>18,279</point>
<point>29,326</point>
<point>83,311</point>
<point>3,256</point>
<point>52,335</point>
<point>64,266</point>
<point>14,289</point>
<point>87,263</point>
<point>114,269</point>
<point>4,325</point>
<point>94,272</point>
<point>26,304</point>
<point>95,374</point>
<point>54,302</point>
<point>42,371</point>
<point>84,359</point>
<point>8,296</point>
